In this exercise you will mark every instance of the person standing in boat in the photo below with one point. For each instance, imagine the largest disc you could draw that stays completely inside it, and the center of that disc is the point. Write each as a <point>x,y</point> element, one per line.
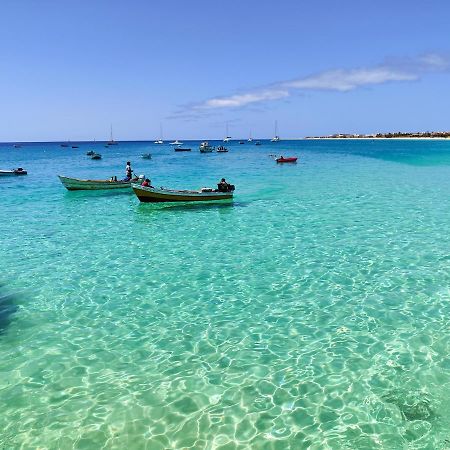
<point>128,171</point>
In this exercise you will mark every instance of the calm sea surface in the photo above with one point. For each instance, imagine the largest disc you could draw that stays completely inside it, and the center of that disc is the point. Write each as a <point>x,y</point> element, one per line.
<point>312,312</point>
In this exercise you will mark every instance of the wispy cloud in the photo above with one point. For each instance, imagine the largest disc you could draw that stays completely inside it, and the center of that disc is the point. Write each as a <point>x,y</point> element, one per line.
<point>338,80</point>
<point>348,80</point>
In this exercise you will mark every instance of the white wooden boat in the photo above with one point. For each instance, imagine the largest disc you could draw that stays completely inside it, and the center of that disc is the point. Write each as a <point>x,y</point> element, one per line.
<point>76,184</point>
<point>18,171</point>
<point>206,148</point>
<point>149,194</point>
<point>177,142</point>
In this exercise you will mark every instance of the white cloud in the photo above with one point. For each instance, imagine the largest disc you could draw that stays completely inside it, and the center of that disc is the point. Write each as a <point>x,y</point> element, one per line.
<point>245,99</point>
<point>339,80</point>
<point>347,80</point>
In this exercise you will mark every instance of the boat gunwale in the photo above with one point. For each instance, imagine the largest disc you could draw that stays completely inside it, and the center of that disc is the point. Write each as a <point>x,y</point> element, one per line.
<point>80,180</point>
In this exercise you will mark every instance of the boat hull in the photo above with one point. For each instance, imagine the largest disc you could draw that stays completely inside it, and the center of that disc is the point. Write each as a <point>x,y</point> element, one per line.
<point>155,195</point>
<point>75,184</point>
<point>286,160</point>
<point>7,173</point>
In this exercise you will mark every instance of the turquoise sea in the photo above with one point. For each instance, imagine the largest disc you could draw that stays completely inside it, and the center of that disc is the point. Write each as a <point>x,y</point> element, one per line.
<point>312,312</point>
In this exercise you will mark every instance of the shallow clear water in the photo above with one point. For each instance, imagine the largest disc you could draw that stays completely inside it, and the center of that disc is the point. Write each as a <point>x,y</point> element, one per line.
<point>312,312</point>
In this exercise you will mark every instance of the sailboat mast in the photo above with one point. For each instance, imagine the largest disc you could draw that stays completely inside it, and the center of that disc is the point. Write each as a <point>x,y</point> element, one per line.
<point>111,139</point>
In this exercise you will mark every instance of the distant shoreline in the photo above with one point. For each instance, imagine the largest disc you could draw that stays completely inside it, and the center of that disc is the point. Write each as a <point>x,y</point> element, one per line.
<point>308,138</point>
<point>377,138</point>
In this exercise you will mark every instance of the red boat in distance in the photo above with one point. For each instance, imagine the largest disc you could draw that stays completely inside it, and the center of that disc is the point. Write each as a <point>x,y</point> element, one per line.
<point>282,159</point>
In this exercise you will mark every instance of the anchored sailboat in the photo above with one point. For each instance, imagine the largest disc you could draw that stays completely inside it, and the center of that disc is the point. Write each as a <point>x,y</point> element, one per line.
<point>160,140</point>
<point>227,137</point>
<point>111,140</point>
<point>276,138</point>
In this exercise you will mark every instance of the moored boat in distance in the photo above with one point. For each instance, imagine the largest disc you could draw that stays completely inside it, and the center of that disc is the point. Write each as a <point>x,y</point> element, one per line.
<point>146,156</point>
<point>222,149</point>
<point>205,147</point>
<point>148,194</point>
<point>257,143</point>
<point>18,171</point>
<point>90,153</point>
<point>111,139</point>
<point>180,149</point>
<point>96,156</point>
<point>76,184</point>
<point>17,146</point>
<point>282,159</point>
<point>160,140</point>
<point>276,138</point>
<point>177,142</point>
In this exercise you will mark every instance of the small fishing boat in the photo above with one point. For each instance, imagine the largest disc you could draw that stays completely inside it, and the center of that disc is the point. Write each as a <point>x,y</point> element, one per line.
<point>180,149</point>
<point>74,146</point>
<point>206,148</point>
<point>177,142</point>
<point>222,149</point>
<point>241,142</point>
<point>146,156</point>
<point>257,143</point>
<point>281,159</point>
<point>64,145</point>
<point>18,171</point>
<point>150,194</point>
<point>76,184</point>
<point>90,153</point>
<point>96,156</point>
<point>17,146</point>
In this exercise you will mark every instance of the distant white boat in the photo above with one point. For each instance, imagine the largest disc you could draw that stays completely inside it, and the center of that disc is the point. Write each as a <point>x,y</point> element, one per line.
<point>111,140</point>
<point>276,138</point>
<point>177,142</point>
<point>160,140</point>
<point>227,138</point>
<point>250,139</point>
<point>206,148</point>
<point>18,171</point>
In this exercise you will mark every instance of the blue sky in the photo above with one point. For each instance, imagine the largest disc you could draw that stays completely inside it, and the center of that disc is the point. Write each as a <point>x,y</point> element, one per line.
<point>68,69</point>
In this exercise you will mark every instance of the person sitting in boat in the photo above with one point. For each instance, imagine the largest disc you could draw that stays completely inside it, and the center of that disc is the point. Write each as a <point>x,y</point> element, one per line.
<point>146,183</point>
<point>223,186</point>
